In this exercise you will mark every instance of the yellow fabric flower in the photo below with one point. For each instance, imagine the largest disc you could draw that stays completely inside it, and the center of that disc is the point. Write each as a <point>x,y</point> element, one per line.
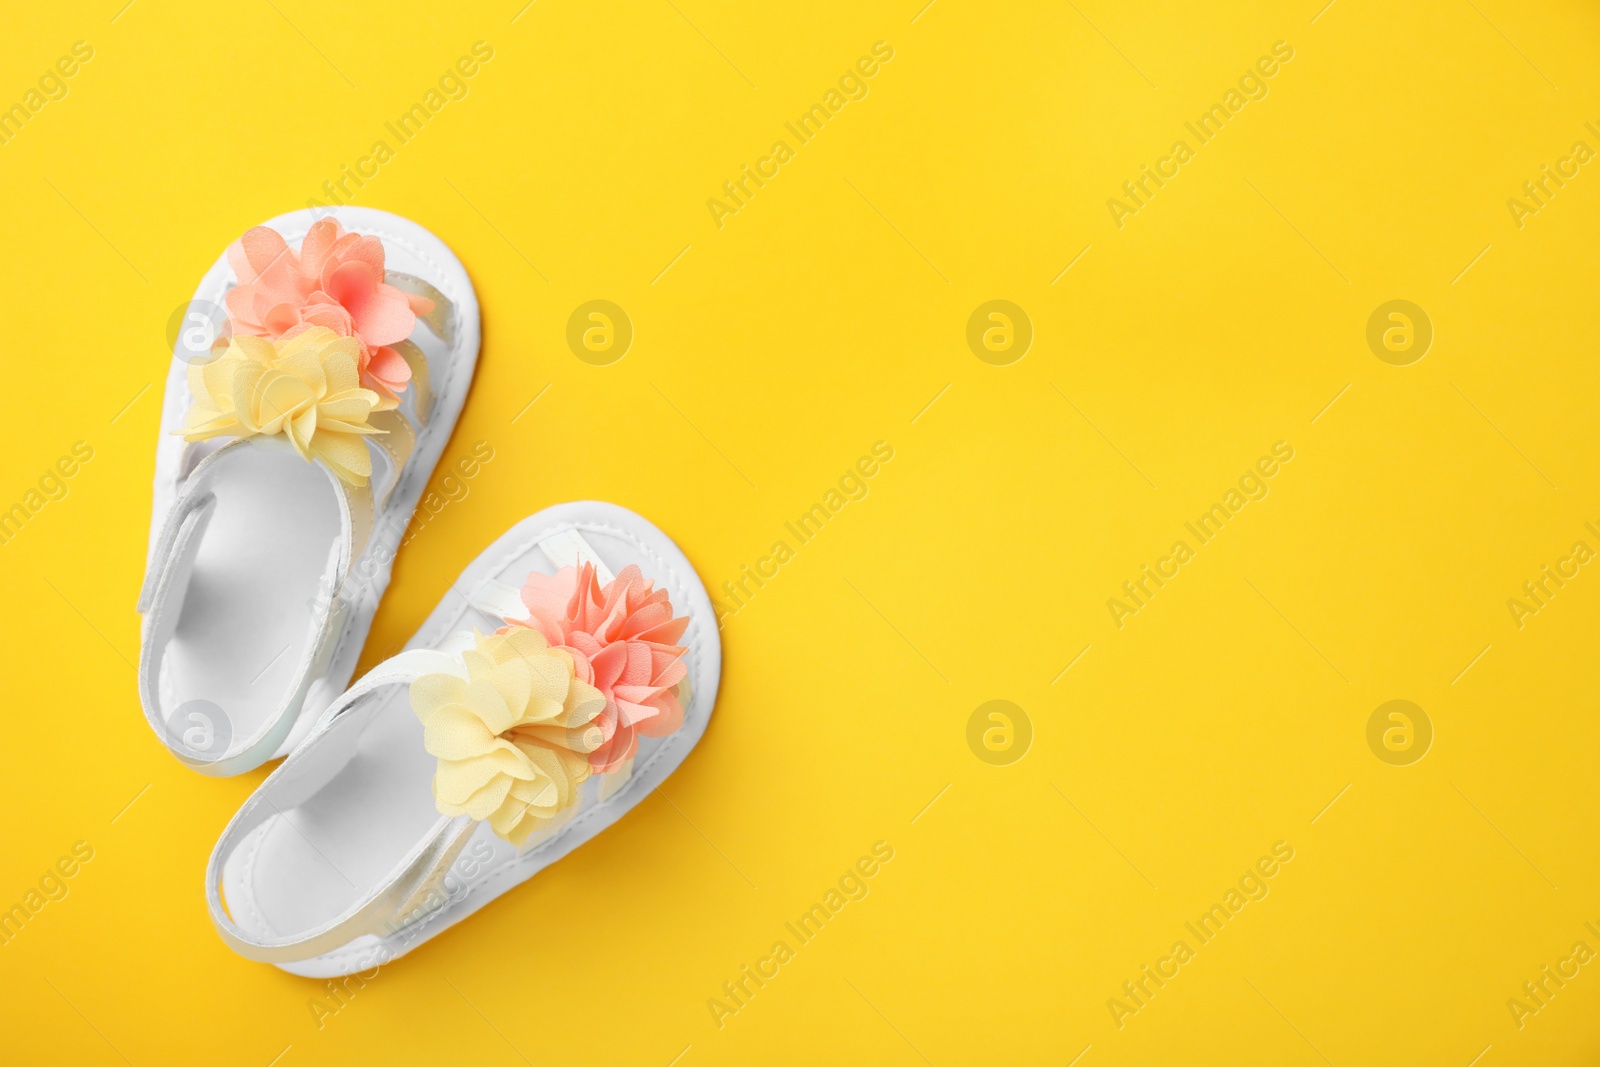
<point>306,387</point>
<point>513,737</point>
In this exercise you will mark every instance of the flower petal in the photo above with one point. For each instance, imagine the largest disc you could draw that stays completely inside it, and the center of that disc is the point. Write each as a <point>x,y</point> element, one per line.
<point>345,454</point>
<point>455,733</point>
<point>432,692</point>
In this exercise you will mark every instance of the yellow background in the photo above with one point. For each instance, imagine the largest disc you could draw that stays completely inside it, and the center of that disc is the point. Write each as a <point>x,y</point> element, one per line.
<point>825,316</point>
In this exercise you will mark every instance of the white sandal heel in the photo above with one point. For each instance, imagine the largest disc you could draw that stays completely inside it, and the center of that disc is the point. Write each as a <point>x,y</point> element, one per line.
<point>346,858</point>
<point>265,570</point>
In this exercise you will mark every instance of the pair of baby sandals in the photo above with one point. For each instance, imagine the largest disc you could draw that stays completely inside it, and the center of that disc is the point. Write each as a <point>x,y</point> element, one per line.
<point>566,673</point>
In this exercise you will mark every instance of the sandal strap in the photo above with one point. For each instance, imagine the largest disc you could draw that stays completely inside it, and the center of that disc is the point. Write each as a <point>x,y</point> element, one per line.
<point>442,319</point>
<point>498,599</point>
<point>397,442</point>
<point>412,891</point>
<point>421,386</point>
<point>566,548</point>
<point>172,565</point>
<point>444,323</point>
<point>395,903</point>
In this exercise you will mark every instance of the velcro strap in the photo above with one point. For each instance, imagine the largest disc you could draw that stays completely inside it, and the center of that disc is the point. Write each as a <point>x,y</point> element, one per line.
<point>180,537</point>
<point>161,600</point>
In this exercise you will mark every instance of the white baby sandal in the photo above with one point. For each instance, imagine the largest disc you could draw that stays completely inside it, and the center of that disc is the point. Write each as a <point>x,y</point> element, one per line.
<point>310,395</point>
<point>567,673</point>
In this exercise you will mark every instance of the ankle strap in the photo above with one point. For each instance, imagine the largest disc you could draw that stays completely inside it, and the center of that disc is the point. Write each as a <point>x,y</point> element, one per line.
<point>171,567</point>
<point>405,896</point>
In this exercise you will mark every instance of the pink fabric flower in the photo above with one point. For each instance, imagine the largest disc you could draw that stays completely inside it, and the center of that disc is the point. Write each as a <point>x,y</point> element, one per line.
<point>623,641</point>
<point>335,281</point>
